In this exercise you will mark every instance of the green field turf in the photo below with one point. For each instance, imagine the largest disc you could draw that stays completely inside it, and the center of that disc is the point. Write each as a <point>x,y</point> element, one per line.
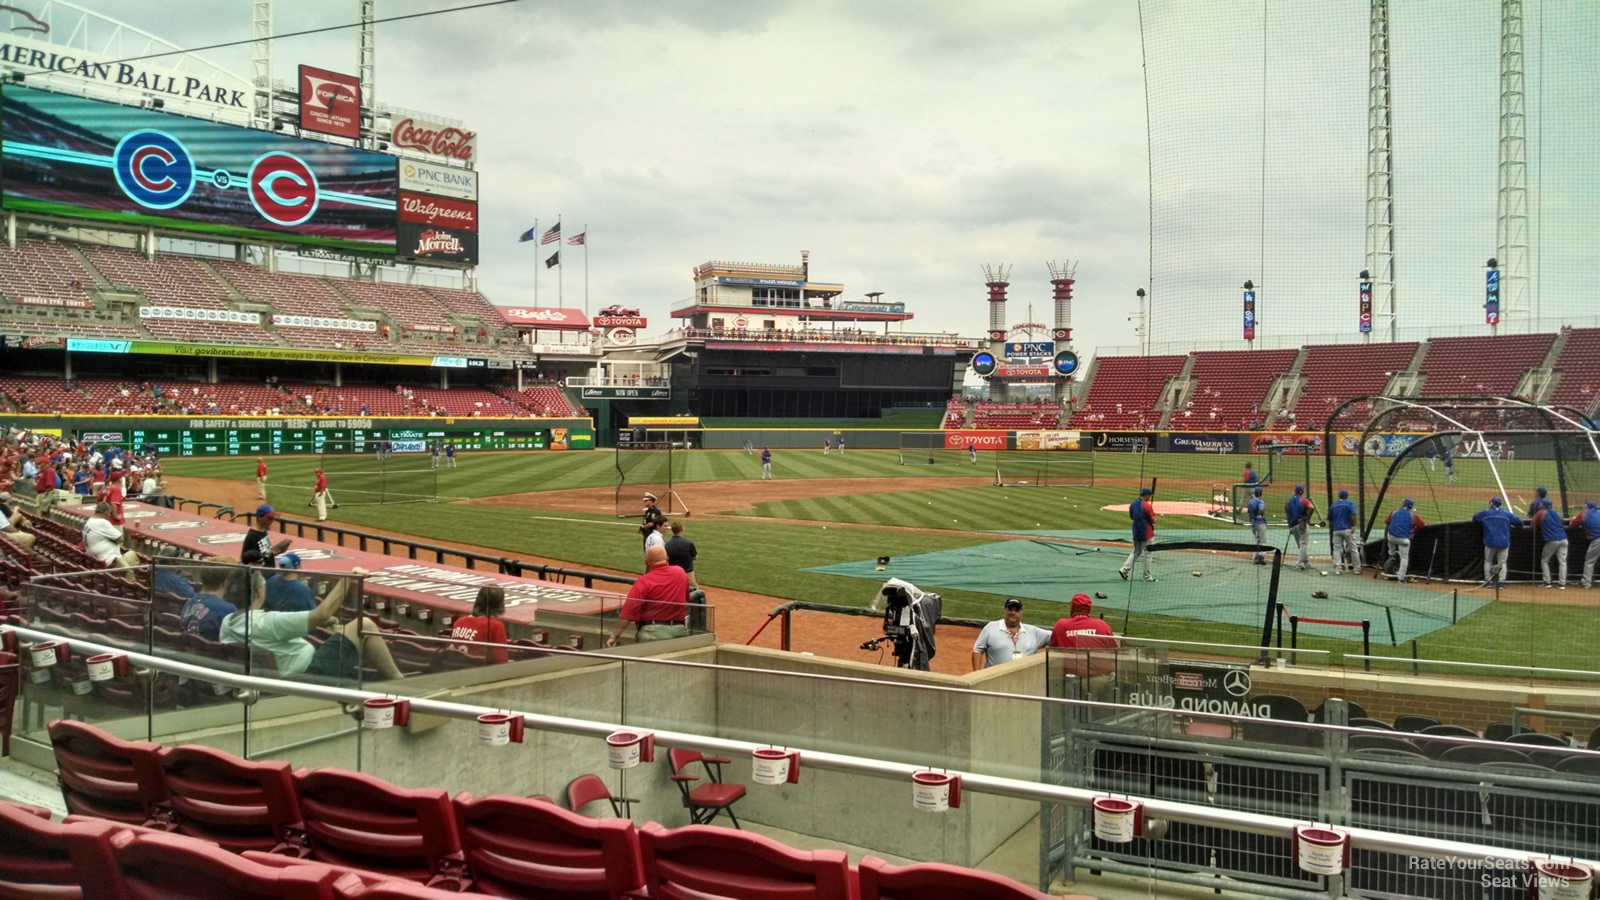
<point>749,553</point>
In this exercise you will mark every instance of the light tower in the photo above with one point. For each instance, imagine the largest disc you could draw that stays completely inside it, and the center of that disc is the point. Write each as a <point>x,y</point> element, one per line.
<point>1379,298</point>
<point>997,278</point>
<point>1062,277</point>
<point>1511,200</point>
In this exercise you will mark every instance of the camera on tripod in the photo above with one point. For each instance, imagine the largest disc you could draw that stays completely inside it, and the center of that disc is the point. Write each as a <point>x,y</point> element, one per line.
<point>909,619</point>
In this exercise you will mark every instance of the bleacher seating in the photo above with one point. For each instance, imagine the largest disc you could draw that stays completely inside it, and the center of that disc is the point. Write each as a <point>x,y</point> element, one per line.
<point>43,270</point>
<point>955,414</point>
<point>540,400</point>
<point>1230,386</point>
<point>1334,373</point>
<point>1125,390</point>
<point>1579,365</point>
<point>466,401</point>
<point>1016,415</point>
<point>167,280</point>
<point>405,304</point>
<point>1481,366</point>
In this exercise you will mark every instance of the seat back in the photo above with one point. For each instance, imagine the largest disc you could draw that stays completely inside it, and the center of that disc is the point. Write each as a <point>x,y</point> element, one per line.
<point>687,862</point>
<point>516,846</point>
<point>10,685</point>
<point>234,803</point>
<point>936,881</point>
<point>38,852</point>
<point>586,789</point>
<point>356,820</point>
<point>105,776</point>
<point>169,867</point>
<point>1413,722</point>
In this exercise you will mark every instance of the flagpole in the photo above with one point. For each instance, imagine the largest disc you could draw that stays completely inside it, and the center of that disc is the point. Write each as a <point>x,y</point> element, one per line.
<point>537,262</point>
<point>586,269</point>
<point>559,301</point>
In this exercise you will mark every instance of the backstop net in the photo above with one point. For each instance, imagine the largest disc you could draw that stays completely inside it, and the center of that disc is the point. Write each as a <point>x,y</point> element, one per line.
<point>927,448</point>
<point>358,475</point>
<point>1043,468</point>
<point>653,467</point>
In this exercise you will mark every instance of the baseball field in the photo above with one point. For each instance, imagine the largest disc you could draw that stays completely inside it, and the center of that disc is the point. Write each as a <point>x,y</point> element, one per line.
<point>814,531</point>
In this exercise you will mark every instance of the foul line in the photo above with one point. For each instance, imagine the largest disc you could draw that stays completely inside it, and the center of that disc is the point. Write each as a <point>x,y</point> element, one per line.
<point>585,521</point>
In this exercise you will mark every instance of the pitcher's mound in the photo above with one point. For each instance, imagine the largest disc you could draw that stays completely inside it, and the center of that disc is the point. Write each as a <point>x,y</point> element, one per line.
<point>1174,507</point>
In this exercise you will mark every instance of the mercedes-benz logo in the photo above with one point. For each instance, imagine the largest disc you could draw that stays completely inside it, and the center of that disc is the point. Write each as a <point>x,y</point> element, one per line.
<point>1236,682</point>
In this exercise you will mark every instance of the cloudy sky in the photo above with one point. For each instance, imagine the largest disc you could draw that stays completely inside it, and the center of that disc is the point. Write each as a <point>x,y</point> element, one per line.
<point>906,143</point>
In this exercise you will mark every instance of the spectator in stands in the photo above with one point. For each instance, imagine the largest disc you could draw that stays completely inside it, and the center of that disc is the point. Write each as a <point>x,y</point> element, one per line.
<point>682,553</point>
<point>1589,521</point>
<point>484,624</point>
<point>286,592</point>
<point>81,479</point>
<point>1399,527</point>
<point>283,634</point>
<point>1342,531</point>
<point>173,581</point>
<point>103,540</point>
<point>203,612</point>
<point>111,493</point>
<point>11,523</point>
<point>657,537</point>
<point>1553,529</point>
<point>1007,638</point>
<point>1497,524</point>
<point>1083,629</point>
<point>153,489</point>
<point>258,548</point>
<point>657,603</point>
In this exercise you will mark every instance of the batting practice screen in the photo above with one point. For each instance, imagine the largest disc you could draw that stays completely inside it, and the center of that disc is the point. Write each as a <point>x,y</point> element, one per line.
<point>368,479</point>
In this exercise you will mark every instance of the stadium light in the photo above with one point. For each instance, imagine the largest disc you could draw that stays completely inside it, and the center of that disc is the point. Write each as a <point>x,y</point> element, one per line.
<point>1365,276</point>
<point>1492,263</point>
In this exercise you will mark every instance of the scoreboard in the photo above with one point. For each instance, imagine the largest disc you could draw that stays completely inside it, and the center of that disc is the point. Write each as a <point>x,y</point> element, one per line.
<point>289,441</point>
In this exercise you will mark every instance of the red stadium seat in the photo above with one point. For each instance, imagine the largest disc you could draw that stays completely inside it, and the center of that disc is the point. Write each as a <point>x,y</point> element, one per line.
<point>692,862</point>
<point>707,800</point>
<point>587,789</point>
<point>936,881</point>
<point>520,847</point>
<point>10,685</point>
<point>356,820</point>
<point>169,867</point>
<point>236,804</point>
<point>40,858</point>
<point>107,777</point>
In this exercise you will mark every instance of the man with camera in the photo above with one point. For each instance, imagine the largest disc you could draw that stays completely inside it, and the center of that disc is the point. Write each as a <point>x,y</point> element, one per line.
<point>1007,638</point>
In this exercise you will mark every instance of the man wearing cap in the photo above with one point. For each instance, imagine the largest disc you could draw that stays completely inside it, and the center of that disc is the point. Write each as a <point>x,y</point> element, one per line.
<point>11,523</point>
<point>1007,638</point>
<point>766,463</point>
<point>261,478</point>
<point>1297,514</point>
<point>1256,509</point>
<point>1398,529</point>
<point>1143,516</point>
<point>1497,522</point>
<point>1539,496</point>
<point>1342,534</point>
<point>1449,466</point>
<point>258,548</point>
<point>323,499</point>
<point>652,516</point>
<point>285,591</point>
<point>1553,529</point>
<point>1589,520</point>
<point>1083,629</point>
<point>658,602</point>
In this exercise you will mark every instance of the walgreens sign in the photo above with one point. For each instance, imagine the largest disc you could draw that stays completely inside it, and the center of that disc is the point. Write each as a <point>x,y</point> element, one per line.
<point>428,210</point>
<point>435,138</point>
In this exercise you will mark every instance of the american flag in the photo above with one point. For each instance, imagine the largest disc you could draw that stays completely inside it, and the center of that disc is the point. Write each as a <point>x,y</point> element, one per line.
<point>578,239</point>
<point>553,235</point>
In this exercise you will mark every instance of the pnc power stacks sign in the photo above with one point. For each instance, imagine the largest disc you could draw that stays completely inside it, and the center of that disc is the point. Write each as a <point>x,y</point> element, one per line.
<point>330,103</point>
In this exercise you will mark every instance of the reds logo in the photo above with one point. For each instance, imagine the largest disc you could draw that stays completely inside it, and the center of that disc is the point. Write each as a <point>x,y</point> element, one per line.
<point>283,189</point>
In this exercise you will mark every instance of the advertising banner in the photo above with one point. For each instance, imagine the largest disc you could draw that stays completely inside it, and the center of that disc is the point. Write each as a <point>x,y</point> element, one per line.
<point>1491,297</point>
<point>625,393</point>
<point>1259,441</point>
<point>435,138</point>
<point>621,337</point>
<point>442,181</point>
<point>1365,319</point>
<point>1030,349</point>
<point>323,322</point>
<point>1050,440</point>
<point>619,321</point>
<point>1203,443</point>
<point>54,301</point>
<point>1199,686</point>
<point>545,317</point>
<point>1013,370</point>
<point>190,314</point>
<point>167,348</point>
<point>330,103</point>
<point>425,209</point>
<point>1119,441</point>
<point>215,94</point>
<point>75,157</point>
<point>982,440</point>
<point>430,242</point>
<point>1388,444</point>
<point>1249,315</point>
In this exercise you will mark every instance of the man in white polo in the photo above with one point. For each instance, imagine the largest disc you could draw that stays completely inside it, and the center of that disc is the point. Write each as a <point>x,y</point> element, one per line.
<point>1008,638</point>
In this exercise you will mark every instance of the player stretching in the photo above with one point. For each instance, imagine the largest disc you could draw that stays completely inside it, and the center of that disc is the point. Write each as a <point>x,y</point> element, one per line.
<point>1399,527</point>
<point>450,454</point>
<point>1143,516</point>
<point>1257,511</point>
<point>1497,524</point>
<point>1589,519</point>
<point>1297,513</point>
<point>261,478</point>
<point>972,451</point>
<point>766,463</point>
<point>1449,467</point>
<point>322,498</point>
<point>436,454</point>
<point>827,445</point>
<point>1342,528</point>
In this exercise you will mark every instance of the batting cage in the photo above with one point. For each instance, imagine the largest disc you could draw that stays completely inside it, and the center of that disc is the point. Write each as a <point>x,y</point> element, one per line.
<point>649,467</point>
<point>927,448</point>
<point>358,475</point>
<point>1043,468</point>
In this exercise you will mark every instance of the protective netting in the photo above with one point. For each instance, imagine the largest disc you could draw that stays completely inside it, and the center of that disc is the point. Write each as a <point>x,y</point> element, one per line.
<point>1258,131</point>
<point>1043,468</point>
<point>927,448</point>
<point>360,476</point>
<point>648,468</point>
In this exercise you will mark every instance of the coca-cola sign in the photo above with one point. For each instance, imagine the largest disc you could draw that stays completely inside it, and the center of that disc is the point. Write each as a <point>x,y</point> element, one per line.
<point>545,317</point>
<point>430,210</point>
<point>330,103</point>
<point>434,243</point>
<point>435,138</point>
<point>619,321</point>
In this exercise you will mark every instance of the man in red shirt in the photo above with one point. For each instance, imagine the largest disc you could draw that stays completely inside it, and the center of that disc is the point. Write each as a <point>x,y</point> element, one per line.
<point>658,602</point>
<point>112,494</point>
<point>321,497</point>
<point>261,478</point>
<point>1084,629</point>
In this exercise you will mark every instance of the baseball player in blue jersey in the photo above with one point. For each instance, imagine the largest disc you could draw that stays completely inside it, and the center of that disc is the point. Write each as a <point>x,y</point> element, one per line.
<point>1398,529</point>
<point>827,446</point>
<point>766,463</point>
<point>450,454</point>
<point>972,451</point>
<point>1449,467</point>
<point>1539,497</point>
<point>1553,529</point>
<point>1497,523</point>
<point>1143,516</point>
<point>1297,514</point>
<point>1342,534</point>
<point>1256,509</point>
<point>1589,520</point>
<point>1433,458</point>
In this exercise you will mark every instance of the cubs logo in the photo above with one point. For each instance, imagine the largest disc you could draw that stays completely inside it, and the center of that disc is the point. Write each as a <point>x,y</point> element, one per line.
<point>283,189</point>
<point>154,169</point>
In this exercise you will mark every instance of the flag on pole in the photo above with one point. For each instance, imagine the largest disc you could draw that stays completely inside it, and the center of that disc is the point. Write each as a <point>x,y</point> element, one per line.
<point>553,235</point>
<point>528,235</point>
<point>579,239</point>
<point>554,260</point>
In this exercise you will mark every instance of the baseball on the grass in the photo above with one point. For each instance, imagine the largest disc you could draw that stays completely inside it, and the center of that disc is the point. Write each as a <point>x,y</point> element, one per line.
<point>1324,573</point>
<point>1197,574</point>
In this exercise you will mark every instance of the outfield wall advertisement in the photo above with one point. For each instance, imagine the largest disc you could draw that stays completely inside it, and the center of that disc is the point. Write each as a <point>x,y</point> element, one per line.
<point>71,156</point>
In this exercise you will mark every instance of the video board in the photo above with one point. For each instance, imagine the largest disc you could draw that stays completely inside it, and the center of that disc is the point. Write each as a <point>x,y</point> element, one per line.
<point>72,156</point>
<point>282,441</point>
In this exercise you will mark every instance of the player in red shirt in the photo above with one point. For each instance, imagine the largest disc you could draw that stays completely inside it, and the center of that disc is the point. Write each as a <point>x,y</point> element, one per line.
<point>658,602</point>
<point>112,494</point>
<point>321,497</point>
<point>484,624</point>
<point>261,478</point>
